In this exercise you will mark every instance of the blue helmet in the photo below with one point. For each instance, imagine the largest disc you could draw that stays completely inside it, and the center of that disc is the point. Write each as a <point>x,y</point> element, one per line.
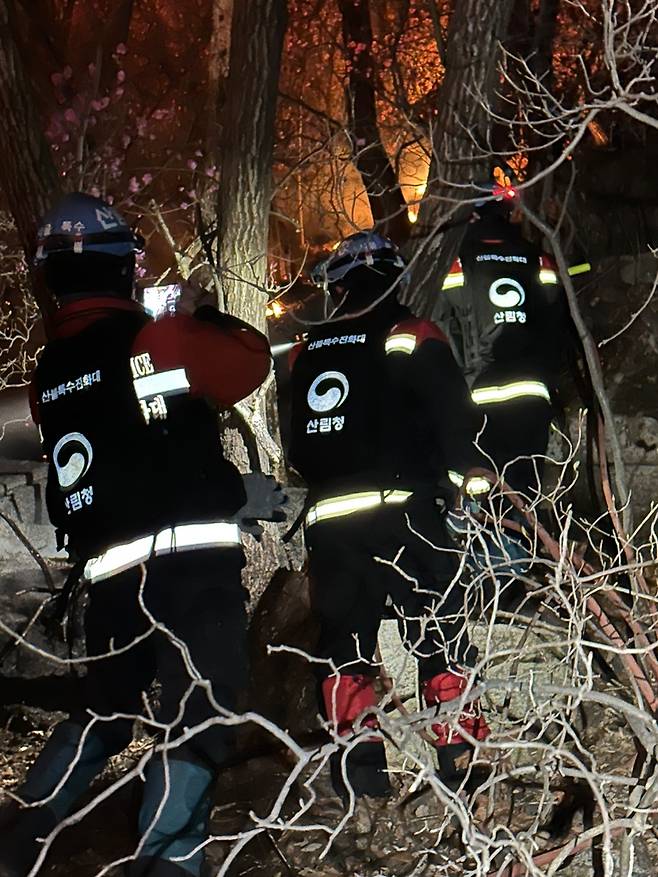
<point>365,248</point>
<point>81,223</point>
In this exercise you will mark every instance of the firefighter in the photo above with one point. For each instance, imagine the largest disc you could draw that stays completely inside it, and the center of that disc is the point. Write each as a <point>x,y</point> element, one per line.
<point>503,309</point>
<point>380,413</point>
<point>140,491</point>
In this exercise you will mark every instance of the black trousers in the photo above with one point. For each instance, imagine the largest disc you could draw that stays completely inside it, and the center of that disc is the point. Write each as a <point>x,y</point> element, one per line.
<point>184,624</point>
<point>351,588</point>
<point>197,597</point>
<point>514,432</point>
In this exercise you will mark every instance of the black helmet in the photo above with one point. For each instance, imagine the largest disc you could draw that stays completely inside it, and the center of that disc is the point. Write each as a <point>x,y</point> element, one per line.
<point>86,247</point>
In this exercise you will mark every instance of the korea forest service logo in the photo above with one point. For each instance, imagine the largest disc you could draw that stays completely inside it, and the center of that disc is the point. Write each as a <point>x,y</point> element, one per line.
<point>328,391</point>
<point>506,293</point>
<point>72,458</point>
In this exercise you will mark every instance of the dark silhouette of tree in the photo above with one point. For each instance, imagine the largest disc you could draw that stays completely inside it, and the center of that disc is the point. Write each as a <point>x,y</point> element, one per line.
<point>247,145</point>
<point>388,206</point>
<point>459,135</point>
<point>28,177</point>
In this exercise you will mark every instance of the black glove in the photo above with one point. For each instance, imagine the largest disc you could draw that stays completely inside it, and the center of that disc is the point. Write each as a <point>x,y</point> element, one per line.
<point>265,502</point>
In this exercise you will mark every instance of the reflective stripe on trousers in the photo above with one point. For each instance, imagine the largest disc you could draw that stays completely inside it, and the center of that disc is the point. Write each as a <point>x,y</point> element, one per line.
<point>506,392</point>
<point>184,537</point>
<point>348,504</point>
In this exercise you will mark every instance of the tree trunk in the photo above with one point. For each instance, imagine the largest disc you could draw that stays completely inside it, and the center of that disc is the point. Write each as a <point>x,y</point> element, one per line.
<point>245,159</point>
<point>220,46</point>
<point>541,62</point>
<point>459,140</point>
<point>248,118</point>
<point>389,209</point>
<point>28,176</point>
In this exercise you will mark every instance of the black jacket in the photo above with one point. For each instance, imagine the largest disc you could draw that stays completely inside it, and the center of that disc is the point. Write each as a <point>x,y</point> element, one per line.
<point>379,402</point>
<point>133,444</point>
<point>503,308</point>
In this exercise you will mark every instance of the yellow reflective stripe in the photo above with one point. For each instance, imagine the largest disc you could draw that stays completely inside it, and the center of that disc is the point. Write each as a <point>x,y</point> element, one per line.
<point>474,485</point>
<point>401,343</point>
<point>181,538</point>
<point>490,395</point>
<point>547,275</point>
<point>339,506</point>
<point>453,280</point>
<point>583,268</point>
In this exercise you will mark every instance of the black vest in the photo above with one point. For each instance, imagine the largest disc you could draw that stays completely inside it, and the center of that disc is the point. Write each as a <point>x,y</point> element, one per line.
<point>120,469</point>
<point>501,306</point>
<point>343,411</point>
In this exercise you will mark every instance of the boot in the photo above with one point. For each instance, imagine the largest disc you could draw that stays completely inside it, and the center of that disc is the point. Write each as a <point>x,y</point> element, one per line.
<point>345,699</point>
<point>450,744</point>
<point>182,823</point>
<point>147,866</point>
<point>21,827</point>
<point>366,769</point>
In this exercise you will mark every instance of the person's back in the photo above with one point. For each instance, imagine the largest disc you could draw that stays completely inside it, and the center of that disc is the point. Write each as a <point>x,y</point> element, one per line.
<point>377,399</point>
<point>503,310</point>
<point>502,305</point>
<point>342,403</point>
<point>122,403</point>
<point>146,504</point>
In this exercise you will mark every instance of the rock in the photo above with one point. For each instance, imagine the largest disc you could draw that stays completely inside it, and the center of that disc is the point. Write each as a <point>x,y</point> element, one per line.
<point>283,686</point>
<point>18,603</point>
<point>11,482</point>
<point>637,269</point>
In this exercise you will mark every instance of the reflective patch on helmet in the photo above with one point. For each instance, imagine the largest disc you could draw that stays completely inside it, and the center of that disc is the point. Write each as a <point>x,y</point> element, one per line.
<point>333,396</point>
<point>108,218</point>
<point>547,275</point>
<point>475,484</point>
<point>455,477</point>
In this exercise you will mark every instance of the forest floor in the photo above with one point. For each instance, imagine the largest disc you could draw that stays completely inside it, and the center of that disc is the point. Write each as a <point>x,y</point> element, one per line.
<point>410,835</point>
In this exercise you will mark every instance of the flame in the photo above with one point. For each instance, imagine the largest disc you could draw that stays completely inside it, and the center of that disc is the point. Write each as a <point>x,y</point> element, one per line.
<point>414,206</point>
